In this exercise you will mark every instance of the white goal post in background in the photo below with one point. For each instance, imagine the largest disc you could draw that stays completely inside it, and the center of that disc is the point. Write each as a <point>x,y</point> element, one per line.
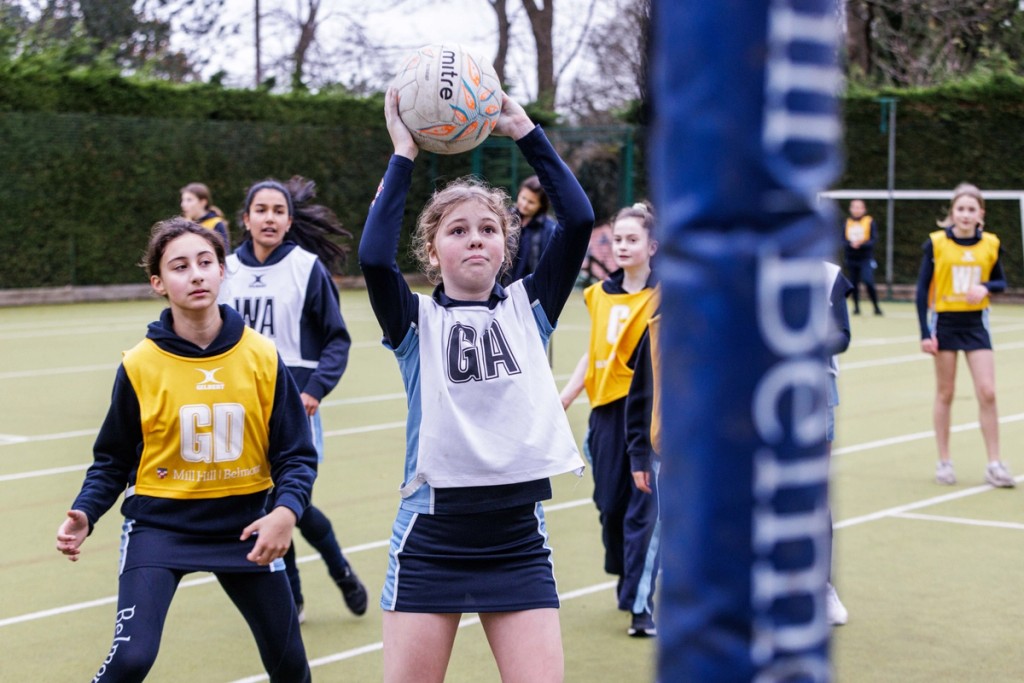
<point>933,195</point>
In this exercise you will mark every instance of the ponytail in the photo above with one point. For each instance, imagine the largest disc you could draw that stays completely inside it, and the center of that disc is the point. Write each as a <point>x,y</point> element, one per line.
<point>313,225</point>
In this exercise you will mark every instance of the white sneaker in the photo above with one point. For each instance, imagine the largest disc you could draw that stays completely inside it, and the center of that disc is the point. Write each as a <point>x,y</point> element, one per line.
<point>944,473</point>
<point>999,476</point>
<point>834,609</point>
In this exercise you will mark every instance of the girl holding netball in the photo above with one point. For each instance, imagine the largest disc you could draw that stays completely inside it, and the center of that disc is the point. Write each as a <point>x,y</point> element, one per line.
<point>620,308</point>
<point>959,269</point>
<point>279,280</point>
<point>484,430</point>
<point>204,420</point>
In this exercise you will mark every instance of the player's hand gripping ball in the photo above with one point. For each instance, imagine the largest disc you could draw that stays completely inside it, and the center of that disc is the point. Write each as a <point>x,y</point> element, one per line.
<point>448,98</point>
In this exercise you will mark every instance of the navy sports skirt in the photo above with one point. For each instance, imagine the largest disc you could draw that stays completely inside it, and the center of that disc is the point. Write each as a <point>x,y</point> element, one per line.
<point>963,331</point>
<point>496,561</point>
<point>144,545</point>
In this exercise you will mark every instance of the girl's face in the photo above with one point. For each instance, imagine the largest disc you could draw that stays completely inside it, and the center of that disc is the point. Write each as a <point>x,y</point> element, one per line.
<point>192,207</point>
<point>268,221</point>
<point>857,208</point>
<point>527,203</point>
<point>190,274</point>
<point>468,249</point>
<point>632,246</point>
<point>967,214</point>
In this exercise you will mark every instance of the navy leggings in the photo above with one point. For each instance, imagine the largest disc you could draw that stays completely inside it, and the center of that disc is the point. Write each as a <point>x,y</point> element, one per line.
<point>628,516</point>
<point>862,271</point>
<point>263,598</point>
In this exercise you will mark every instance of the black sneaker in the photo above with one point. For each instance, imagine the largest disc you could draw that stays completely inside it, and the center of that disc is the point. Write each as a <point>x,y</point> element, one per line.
<point>354,592</point>
<point>642,625</point>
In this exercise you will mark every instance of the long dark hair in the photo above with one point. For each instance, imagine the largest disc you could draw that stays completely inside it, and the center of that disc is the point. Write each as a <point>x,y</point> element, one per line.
<point>313,225</point>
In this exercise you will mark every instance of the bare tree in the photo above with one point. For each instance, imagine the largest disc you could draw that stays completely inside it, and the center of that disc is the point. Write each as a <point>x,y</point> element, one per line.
<point>504,29</point>
<point>541,25</point>
<point>615,53</point>
<point>858,37</point>
<point>924,42</point>
<point>307,35</point>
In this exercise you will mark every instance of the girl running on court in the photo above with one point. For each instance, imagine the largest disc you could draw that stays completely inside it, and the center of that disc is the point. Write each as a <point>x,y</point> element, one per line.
<point>197,206</point>
<point>620,308</point>
<point>484,430</point>
<point>959,269</point>
<point>204,420</point>
<point>278,281</point>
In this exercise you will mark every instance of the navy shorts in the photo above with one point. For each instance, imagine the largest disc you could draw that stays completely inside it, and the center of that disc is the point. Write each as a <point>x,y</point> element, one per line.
<point>963,331</point>
<point>496,561</point>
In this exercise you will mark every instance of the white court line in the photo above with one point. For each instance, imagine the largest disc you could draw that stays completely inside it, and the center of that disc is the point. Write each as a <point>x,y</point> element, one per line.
<point>105,367</point>
<point>897,360</point>
<point>199,581</point>
<point>190,583</point>
<point>363,430</point>
<point>927,502</point>
<point>906,438</point>
<point>42,372</point>
<point>961,520</point>
<point>43,473</point>
<point>63,332</point>
<point>9,439</point>
<point>349,550</point>
<point>907,339</point>
<point>62,324</point>
<point>356,400</point>
<point>71,468</point>
<point>466,621</point>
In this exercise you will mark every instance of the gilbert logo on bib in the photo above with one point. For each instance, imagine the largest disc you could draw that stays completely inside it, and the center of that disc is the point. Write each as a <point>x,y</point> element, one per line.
<point>209,381</point>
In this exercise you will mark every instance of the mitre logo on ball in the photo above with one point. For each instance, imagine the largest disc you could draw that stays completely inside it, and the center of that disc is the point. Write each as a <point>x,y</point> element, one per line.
<point>448,98</point>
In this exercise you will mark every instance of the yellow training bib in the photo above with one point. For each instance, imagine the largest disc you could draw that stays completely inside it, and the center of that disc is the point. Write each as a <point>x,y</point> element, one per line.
<point>958,268</point>
<point>205,421</point>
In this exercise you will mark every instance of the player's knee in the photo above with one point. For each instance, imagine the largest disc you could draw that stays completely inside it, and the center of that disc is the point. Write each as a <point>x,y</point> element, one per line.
<point>293,668</point>
<point>986,395</point>
<point>128,661</point>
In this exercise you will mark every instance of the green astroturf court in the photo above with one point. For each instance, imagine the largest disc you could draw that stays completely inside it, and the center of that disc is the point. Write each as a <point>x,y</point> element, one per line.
<point>932,576</point>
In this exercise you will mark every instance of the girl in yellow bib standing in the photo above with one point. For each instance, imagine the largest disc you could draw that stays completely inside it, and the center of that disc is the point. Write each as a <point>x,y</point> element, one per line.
<point>859,253</point>
<point>959,269</point>
<point>204,420</point>
<point>620,308</point>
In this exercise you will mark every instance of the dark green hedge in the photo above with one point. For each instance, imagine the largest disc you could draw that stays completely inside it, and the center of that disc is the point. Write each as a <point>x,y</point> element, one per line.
<point>971,132</point>
<point>88,162</point>
<point>82,190</point>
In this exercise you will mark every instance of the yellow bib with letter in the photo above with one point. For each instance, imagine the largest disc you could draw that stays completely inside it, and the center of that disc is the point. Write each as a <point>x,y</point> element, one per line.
<point>958,268</point>
<point>618,322</point>
<point>205,421</point>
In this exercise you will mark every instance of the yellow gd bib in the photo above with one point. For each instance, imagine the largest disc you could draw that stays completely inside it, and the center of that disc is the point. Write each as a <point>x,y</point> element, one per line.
<point>205,421</point>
